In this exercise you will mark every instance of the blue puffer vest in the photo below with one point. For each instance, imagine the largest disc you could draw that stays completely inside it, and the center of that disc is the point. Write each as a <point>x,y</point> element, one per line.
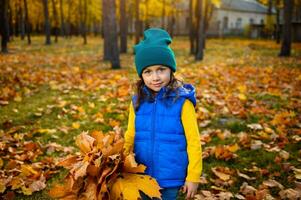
<point>160,141</point>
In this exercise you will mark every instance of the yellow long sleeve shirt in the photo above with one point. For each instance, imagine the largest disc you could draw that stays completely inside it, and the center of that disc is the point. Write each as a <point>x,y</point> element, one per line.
<point>194,150</point>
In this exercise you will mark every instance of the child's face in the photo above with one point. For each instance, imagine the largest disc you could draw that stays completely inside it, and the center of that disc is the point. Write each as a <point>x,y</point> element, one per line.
<point>156,76</point>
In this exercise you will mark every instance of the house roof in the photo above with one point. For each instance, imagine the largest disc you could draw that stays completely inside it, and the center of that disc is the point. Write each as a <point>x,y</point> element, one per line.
<point>243,6</point>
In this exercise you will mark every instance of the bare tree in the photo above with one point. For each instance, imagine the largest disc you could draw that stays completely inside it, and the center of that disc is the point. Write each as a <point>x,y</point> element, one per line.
<point>21,21</point>
<point>46,22</point>
<point>201,32</point>
<point>110,32</point>
<point>63,25</point>
<point>123,27</point>
<point>27,27</point>
<point>277,31</point>
<point>191,27</point>
<point>163,14</point>
<point>137,22</point>
<point>83,19</point>
<point>56,21</point>
<point>287,29</point>
<point>106,43</point>
<point>4,29</point>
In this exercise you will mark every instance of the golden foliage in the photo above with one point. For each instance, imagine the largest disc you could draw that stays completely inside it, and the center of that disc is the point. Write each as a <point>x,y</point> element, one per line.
<point>103,171</point>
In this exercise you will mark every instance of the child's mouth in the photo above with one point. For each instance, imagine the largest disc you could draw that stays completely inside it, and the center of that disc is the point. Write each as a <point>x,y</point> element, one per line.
<point>157,85</point>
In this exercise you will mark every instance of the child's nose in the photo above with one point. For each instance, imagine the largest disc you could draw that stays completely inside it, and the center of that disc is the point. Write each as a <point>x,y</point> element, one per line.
<point>156,76</point>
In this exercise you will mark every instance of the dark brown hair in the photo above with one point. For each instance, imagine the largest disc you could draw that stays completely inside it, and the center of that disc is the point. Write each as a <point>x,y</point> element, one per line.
<point>172,86</point>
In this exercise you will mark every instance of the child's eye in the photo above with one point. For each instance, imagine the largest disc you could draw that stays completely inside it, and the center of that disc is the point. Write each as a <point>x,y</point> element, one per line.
<point>146,72</point>
<point>161,68</point>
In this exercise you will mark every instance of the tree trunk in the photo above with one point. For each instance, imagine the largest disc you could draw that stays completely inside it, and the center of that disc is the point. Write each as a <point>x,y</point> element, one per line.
<point>287,29</point>
<point>163,14</point>
<point>197,26</point>
<point>27,27</point>
<point>16,19</point>
<point>123,27</point>
<point>85,21</point>
<point>277,31</point>
<point>68,26</point>
<point>46,22</point>
<point>63,25</point>
<point>11,30</point>
<point>110,32</point>
<point>172,21</point>
<point>22,20</point>
<point>147,25</point>
<point>269,18</point>
<point>137,22</point>
<point>56,21</point>
<point>191,28</point>
<point>201,33</point>
<point>4,29</point>
<point>105,25</point>
<point>130,20</point>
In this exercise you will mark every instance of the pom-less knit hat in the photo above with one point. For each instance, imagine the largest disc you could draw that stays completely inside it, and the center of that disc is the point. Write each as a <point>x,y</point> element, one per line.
<point>154,50</point>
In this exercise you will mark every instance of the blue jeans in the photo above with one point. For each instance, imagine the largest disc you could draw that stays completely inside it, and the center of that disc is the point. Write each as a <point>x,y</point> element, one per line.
<point>166,194</point>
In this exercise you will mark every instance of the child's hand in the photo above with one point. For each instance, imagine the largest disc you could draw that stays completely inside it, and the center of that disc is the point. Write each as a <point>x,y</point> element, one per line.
<point>191,189</point>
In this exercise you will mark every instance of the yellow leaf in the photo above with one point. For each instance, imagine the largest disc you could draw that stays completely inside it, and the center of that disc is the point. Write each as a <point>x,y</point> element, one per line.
<point>123,91</point>
<point>117,148</point>
<point>84,142</point>
<point>1,163</point>
<point>297,173</point>
<point>91,105</point>
<point>108,139</point>
<point>26,191</point>
<point>41,130</point>
<point>75,125</point>
<point>16,183</point>
<point>18,98</point>
<point>114,123</point>
<point>131,166</point>
<point>27,170</point>
<point>80,170</point>
<point>98,136</point>
<point>242,97</point>
<point>128,185</point>
<point>2,187</point>
<point>221,175</point>
<point>242,88</point>
<point>233,148</point>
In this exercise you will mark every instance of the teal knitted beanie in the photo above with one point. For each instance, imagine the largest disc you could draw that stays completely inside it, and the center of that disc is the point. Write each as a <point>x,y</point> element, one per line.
<point>154,50</point>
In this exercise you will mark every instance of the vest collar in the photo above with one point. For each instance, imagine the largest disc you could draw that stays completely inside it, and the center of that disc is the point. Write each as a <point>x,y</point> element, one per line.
<point>149,95</point>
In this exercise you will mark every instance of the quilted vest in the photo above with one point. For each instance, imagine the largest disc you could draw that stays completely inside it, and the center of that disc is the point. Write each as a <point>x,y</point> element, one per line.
<point>160,142</point>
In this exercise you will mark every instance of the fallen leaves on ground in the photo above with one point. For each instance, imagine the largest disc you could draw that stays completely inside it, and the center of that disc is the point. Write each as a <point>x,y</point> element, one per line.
<point>24,164</point>
<point>102,171</point>
<point>248,107</point>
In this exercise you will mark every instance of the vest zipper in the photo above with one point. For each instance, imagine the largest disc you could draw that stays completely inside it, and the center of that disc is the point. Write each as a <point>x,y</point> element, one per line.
<point>153,137</point>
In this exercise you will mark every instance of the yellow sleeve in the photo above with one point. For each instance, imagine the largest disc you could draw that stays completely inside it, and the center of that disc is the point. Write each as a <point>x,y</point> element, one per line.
<point>194,149</point>
<point>130,133</point>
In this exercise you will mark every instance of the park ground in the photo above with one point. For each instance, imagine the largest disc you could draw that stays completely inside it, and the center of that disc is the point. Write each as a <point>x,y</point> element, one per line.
<point>248,107</point>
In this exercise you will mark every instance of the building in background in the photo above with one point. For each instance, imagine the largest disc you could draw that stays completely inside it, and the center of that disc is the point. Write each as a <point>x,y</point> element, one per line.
<point>238,18</point>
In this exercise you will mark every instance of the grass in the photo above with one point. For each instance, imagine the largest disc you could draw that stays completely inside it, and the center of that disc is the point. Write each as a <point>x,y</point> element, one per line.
<point>40,108</point>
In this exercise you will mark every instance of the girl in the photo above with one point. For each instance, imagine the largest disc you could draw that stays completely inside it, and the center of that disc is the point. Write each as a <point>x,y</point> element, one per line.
<point>162,127</point>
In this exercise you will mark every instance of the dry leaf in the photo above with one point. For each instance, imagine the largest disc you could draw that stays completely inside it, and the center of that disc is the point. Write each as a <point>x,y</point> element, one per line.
<point>128,185</point>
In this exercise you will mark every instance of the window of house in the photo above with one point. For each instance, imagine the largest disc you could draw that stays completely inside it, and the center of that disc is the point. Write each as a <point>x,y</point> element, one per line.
<point>238,24</point>
<point>225,22</point>
<point>251,21</point>
<point>261,21</point>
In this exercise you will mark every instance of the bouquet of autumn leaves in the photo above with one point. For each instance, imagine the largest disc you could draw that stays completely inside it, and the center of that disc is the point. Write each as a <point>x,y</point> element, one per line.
<point>102,170</point>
